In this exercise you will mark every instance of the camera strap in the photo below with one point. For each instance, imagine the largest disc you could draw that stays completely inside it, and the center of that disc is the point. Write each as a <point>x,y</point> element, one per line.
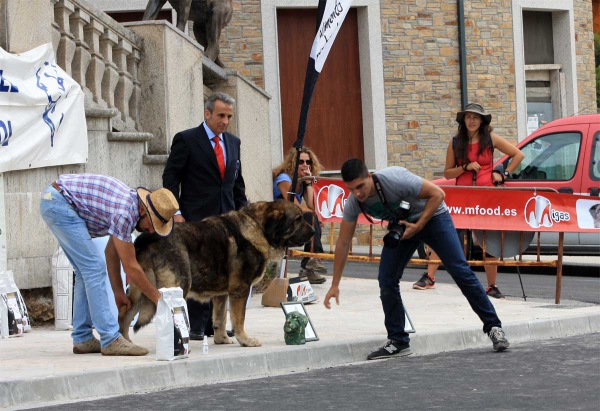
<point>381,196</point>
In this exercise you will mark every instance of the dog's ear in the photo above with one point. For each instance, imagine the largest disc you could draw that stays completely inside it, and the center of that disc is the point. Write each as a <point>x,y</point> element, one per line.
<point>278,222</point>
<point>273,221</point>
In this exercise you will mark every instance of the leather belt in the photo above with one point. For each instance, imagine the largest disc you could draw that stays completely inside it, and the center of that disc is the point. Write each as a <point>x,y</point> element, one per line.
<point>62,192</point>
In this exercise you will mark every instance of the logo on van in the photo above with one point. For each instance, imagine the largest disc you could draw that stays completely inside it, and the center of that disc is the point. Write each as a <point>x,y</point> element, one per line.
<point>539,213</point>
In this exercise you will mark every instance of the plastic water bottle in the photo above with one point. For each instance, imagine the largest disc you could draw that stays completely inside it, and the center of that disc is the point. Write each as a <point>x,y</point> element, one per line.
<point>205,345</point>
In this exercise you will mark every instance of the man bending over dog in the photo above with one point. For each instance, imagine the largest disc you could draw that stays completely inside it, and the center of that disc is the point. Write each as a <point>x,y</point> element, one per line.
<point>79,207</point>
<point>416,212</point>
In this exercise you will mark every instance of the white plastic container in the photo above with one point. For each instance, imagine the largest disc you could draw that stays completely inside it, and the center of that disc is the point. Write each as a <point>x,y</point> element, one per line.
<point>62,290</point>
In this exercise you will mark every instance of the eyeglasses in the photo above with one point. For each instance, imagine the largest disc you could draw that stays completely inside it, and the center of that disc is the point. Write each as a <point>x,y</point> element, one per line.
<point>307,162</point>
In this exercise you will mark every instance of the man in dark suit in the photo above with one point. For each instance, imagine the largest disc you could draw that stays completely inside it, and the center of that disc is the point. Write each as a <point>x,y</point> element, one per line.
<point>204,172</point>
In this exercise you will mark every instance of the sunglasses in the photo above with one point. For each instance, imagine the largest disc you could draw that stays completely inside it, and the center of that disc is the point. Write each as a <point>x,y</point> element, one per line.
<point>307,162</point>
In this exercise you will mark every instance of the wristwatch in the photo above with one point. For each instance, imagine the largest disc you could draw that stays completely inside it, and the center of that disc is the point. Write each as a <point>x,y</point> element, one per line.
<point>506,174</point>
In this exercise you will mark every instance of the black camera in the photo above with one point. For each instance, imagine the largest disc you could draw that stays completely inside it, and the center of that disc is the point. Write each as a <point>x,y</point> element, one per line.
<point>396,230</point>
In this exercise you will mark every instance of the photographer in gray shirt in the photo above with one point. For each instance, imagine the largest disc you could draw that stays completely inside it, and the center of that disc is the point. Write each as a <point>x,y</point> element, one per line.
<point>416,213</point>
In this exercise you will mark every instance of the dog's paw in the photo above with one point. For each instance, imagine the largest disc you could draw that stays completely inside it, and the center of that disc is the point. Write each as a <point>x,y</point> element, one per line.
<point>222,340</point>
<point>249,342</point>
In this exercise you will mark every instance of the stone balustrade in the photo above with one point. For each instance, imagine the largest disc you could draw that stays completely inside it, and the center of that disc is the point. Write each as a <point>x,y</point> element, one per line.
<point>102,56</point>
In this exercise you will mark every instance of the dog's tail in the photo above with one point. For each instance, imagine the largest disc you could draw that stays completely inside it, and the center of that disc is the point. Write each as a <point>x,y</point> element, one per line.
<point>147,310</point>
<point>142,304</point>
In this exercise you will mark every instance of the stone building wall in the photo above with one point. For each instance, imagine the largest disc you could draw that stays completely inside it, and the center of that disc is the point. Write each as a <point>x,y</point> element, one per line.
<point>586,66</point>
<point>421,69</point>
<point>241,41</point>
<point>422,75</point>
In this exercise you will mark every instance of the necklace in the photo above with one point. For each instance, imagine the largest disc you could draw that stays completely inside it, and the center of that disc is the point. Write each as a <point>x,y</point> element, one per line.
<point>471,137</point>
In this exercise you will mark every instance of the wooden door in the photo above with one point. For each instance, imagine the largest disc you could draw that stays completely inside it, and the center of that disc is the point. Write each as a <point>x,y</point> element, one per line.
<point>335,129</point>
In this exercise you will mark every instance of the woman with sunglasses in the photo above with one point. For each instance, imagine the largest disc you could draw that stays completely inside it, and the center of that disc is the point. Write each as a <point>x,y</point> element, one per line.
<point>308,166</point>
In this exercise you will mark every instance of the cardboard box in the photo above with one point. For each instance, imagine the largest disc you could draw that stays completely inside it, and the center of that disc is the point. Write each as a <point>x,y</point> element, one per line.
<point>276,292</point>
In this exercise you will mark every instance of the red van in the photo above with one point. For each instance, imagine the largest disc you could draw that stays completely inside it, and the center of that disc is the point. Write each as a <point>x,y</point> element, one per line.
<point>564,155</point>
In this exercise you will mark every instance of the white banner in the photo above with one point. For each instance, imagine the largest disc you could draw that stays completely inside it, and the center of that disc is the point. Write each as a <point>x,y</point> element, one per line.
<point>42,115</point>
<point>333,17</point>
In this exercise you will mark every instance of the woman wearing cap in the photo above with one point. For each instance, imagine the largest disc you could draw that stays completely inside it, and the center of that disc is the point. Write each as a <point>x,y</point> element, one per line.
<point>469,160</point>
<point>282,181</point>
<point>79,207</point>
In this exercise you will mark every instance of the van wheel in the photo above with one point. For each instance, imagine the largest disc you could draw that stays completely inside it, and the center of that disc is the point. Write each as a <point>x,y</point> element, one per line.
<point>421,252</point>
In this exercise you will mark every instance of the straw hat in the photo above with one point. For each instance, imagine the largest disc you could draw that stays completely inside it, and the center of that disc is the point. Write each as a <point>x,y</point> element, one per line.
<point>473,108</point>
<point>160,205</point>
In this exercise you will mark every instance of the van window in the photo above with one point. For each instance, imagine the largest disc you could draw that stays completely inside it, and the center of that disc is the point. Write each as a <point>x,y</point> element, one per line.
<point>550,157</point>
<point>595,165</point>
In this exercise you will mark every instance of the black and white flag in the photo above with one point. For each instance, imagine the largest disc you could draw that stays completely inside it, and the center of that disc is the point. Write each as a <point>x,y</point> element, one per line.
<point>330,23</point>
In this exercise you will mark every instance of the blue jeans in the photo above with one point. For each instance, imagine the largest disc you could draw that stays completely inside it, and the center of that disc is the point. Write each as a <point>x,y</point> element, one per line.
<point>439,233</point>
<point>90,300</point>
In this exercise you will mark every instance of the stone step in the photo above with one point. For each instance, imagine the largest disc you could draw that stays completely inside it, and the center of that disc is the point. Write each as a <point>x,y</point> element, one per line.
<point>211,72</point>
<point>155,159</point>
<point>130,136</point>
<point>93,112</point>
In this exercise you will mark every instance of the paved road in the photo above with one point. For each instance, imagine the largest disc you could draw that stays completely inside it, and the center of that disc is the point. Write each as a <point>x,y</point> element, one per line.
<point>557,374</point>
<point>580,288</point>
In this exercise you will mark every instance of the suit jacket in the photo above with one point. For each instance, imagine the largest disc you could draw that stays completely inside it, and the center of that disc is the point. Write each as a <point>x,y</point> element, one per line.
<point>193,171</point>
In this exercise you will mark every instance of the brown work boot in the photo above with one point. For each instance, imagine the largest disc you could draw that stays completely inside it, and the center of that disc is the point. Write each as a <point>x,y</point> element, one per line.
<point>316,264</point>
<point>123,347</point>
<point>302,275</point>
<point>91,346</point>
<point>313,277</point>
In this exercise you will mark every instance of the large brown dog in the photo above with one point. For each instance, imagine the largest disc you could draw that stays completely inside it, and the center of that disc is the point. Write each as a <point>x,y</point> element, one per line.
<point>215,258</point>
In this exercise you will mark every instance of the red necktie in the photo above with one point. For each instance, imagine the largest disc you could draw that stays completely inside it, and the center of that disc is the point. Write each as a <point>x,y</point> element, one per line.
<point>220,156</point>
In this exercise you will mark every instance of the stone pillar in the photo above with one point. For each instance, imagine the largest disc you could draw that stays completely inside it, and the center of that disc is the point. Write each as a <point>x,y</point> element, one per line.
<point>111,76</point>
<point>133,64</point>
<point>93,77</point>
<point>82,56</point>
<point>125,84</point>
<point>66,45</point>
<point>171,75</point>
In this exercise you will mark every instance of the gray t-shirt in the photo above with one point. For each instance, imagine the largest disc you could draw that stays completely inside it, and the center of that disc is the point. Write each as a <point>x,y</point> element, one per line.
<point>398,185</point>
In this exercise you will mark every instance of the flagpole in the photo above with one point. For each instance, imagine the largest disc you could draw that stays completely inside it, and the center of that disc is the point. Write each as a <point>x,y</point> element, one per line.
<point>330,16</point>
<point>310,81</point>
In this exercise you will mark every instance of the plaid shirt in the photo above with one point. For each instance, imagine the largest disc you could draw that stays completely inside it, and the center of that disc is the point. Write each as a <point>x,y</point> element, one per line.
<point>107,205</point>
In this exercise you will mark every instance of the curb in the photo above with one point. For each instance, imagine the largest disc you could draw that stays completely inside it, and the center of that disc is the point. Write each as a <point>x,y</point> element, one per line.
<point>183,373</point>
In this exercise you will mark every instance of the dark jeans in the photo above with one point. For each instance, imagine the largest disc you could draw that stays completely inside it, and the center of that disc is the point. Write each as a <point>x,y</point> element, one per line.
<point>200,317</point>
<point>439,233</point>
<point>318,248</point>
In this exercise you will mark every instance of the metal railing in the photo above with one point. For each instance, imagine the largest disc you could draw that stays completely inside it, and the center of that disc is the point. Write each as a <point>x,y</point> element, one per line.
<point>557,264</point>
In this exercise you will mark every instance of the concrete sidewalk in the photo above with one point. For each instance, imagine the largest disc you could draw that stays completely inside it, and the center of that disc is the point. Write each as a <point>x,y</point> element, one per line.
<point>39,368</point>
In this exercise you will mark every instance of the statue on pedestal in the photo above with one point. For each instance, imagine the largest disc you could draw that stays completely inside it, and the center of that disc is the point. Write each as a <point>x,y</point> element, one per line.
<point>210,17</point>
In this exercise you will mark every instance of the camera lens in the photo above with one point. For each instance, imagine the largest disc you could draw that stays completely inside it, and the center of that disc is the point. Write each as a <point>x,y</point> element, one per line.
<point>391,240</point>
